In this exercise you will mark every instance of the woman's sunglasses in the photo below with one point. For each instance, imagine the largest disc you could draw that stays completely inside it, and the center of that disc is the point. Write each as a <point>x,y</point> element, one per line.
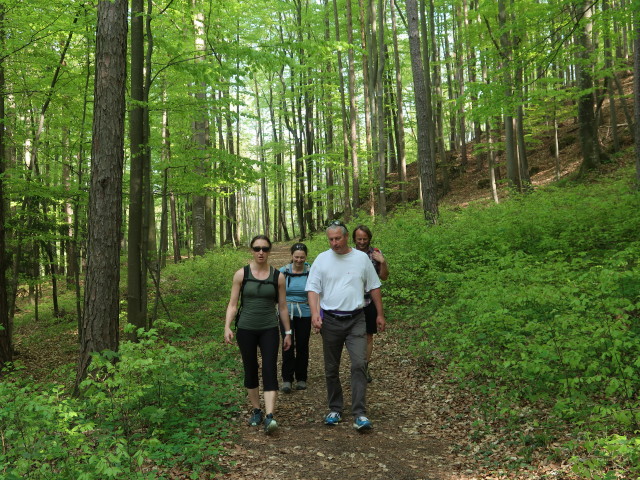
<point>264,249</point>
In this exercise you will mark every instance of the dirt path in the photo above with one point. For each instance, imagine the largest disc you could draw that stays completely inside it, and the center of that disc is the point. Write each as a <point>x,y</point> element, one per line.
<point>407,441</point>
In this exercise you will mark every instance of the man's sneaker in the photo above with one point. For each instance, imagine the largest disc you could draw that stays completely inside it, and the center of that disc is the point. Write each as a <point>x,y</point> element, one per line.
<point>286,387</point>
<point>332,418</point>
<point>362,424</point>
<point>368,373</point>
<point>256,417</point>
<point>270,424</point>
<point>302,385</point>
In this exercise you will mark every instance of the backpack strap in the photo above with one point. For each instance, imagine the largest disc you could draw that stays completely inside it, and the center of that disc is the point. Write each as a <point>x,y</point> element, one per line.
<point>245,279</point>
<point>289,273</point>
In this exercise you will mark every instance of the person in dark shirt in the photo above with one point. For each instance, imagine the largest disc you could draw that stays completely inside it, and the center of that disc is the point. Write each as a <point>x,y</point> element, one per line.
<point>362,238</point>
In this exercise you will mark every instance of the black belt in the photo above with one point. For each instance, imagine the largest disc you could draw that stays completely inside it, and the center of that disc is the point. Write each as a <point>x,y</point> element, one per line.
<point>343,315</point>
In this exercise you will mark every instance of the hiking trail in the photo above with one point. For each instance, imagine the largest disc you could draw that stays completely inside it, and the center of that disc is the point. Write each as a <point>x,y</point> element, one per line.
<point>410,439</point>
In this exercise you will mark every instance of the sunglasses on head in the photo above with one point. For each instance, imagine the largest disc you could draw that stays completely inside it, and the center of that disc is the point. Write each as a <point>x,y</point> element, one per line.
<point>264,249</point>
<point>337,223</point>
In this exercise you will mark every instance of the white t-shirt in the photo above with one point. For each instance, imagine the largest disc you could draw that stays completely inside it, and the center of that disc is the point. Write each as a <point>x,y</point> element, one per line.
<point>341,280</point>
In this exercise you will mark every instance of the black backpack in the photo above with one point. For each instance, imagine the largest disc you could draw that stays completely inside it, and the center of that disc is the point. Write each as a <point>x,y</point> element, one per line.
<point>271,280</point>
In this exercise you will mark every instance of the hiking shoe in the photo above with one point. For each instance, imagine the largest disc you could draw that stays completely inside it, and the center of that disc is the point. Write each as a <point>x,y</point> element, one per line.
<point>286,387</point>
<point>270,424</point>
<point>256,417</point>
<point>368,373</point>
<point>362,424</point>
<point>301,385</point>
<point>332,418</point>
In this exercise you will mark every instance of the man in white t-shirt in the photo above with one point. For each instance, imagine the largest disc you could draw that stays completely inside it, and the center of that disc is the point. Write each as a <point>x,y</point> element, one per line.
<point>337,281</point>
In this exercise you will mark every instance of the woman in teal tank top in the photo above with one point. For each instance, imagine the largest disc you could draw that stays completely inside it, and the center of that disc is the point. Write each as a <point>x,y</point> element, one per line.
<point>295,360</point>
<point>257,328</point>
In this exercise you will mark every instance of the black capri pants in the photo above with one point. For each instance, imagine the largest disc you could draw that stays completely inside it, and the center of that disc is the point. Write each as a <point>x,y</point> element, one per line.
<point>269,343</point>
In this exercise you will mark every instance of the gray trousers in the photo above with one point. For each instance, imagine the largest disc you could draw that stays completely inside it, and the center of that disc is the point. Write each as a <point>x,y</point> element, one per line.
<point>351,333</point>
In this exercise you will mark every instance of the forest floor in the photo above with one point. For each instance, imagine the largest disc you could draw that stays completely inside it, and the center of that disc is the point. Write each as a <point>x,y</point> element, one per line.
<point>422,427</point>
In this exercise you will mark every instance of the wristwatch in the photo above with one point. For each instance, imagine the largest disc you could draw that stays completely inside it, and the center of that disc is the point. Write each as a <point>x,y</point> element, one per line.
<point>288,332</point>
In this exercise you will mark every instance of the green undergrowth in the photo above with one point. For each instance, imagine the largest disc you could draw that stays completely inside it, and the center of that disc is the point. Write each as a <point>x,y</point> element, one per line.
<point>165,406</point>
<point>534,304</point>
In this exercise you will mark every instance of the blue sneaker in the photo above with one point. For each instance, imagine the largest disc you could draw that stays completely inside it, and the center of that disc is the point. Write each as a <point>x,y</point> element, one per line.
<point>256,417</point>
<point>270,424</point>
<point>362,424</point>
<point>332,418</point>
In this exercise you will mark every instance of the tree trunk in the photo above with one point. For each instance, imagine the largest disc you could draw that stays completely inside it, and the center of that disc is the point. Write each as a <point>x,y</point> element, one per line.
<point>279,219</point>
<point>136,284</point>
<point>345,135</point>
<point>174,229</point>
<point>266,221</point>
<point>588,131</point>
<point>459,48</point>
<point>327,101</point>
<point>6,334</point>
<point>382,133</point>
<point>636,92</point>
<point>425,161</point>
<point>513,169</point>
<point>353,128</point>
<point>402,161</point>
<point>438,127</point>
<point>492,164</point>
<point>366,95</point>
<point>608,65</point>
<point>164,215</point>
<point>101,300</point>
<point>199,134</point>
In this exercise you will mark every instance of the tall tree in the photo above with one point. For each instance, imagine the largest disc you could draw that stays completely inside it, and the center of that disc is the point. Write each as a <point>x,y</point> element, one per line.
<point>353,127</point>
<point>6,348</point>
<point>402,161</point>
<point>343,108</point>
<point>426,163</point>
<point>636,90</point>
<point>200,129</point>
<point>136,270</point>
<point>101,299</point>
<point>589,143</point>
<point>513,170</point>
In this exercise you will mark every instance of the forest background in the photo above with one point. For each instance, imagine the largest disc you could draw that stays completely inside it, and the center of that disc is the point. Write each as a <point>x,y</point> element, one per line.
<point>136,135</point>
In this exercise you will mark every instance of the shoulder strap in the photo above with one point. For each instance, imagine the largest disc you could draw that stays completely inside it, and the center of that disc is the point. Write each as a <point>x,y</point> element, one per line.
<point>245,278</point>
<point>274,274</point>
<point>289,273</point>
